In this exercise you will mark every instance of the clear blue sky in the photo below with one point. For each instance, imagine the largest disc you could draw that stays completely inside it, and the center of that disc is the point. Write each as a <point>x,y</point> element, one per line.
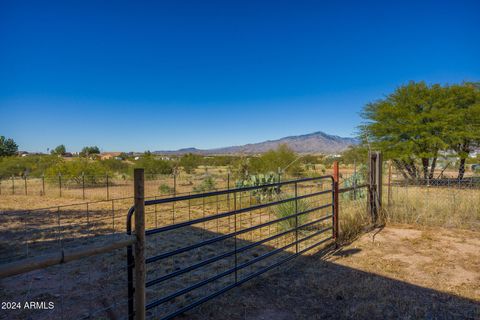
<point>157,75</point>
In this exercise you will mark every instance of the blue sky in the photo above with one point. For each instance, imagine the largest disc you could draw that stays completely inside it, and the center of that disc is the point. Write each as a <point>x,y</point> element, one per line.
<point>152,75</point>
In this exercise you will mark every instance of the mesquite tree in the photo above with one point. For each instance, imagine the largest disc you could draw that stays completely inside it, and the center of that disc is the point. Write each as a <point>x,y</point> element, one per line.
<point>417,121</point>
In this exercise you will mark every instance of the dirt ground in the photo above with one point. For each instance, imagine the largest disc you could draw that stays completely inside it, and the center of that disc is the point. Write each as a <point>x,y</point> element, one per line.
<point>397,272</point>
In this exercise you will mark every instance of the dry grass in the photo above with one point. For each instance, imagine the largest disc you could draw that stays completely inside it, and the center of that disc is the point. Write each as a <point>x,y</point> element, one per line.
<point>433,206</point>
<point>395,273</point>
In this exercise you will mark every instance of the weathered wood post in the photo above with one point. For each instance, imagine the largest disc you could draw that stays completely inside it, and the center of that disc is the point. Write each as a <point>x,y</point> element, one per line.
<point>335,200</point>
<point>140,269</point>
<point>389,190</point>
<point>374,184</point>
<point>379,180</point>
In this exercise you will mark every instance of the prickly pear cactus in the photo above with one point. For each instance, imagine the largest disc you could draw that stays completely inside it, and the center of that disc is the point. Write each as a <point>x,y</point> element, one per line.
<point>261,194</point>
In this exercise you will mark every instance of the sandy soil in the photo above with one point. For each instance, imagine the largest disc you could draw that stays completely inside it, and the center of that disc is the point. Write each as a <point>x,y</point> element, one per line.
<point>398,272</point>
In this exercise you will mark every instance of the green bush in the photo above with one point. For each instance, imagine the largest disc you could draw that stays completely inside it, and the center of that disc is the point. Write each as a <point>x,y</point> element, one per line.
<point>71,171</point>
<point>208,184</point>
<point>154,166</point>
<point>282,158</point>
<point>117,166</point>
<point>190,162</point>
<point>287,209</point>
<point>165,189</point>
<point>32,165</point>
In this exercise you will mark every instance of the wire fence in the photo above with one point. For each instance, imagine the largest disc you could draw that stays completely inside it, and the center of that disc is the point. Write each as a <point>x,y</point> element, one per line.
<point>95,287</point>
<point>110,186</point>
<point>90,288</point>
<point>444,200</point>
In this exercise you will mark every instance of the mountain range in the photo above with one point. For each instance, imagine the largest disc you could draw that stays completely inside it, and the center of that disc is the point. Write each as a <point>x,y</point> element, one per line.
<point>317,142</point>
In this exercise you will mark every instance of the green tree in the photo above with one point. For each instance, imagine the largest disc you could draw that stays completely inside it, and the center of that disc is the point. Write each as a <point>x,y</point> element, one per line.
<point>88,151</point>
<point>8,147</point>
<point>408,125</point>
<point>190,162</point>
<point>282,158</point>
<point>71,171</point>
<point>417,121</point>
<point>356,154</point>
<point>462,121</point>
<point>59,150</point>
<point>154,166</point>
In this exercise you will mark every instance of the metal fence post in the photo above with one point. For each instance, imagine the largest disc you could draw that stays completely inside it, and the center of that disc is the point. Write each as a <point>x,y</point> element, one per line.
<point>83,186</point>
<point>140,268</point>
<point>335,200</point>
<point>43,184</point>
<point>13,185</point>
<point>25,179</point>
<point>296,218</point>
<point>108,195</point>
<point>60,183</point>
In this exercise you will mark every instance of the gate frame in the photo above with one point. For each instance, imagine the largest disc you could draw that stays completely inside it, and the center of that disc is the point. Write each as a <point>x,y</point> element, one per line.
<point>137,297</point>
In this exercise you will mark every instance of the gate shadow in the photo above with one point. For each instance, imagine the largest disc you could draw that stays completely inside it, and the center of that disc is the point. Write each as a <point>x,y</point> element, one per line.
<point>306,287</point>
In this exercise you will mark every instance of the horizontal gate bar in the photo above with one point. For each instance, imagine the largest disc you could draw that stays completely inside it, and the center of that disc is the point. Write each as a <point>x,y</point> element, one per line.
<point>230,271</point>
<point>202,283</point>
<point>229,191</point>
<point>226,236</point>
<point>230,213</point>
<point>230,253</point>
<point>352,188</point>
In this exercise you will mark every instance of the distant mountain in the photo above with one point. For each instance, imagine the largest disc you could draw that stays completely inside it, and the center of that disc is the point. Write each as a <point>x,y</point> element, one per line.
<point>317,142</point>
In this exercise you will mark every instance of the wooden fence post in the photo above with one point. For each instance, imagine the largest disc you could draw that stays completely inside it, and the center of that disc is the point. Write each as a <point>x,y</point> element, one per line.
<point>374,184</point>
<point>335,200</point>
<point>379,179</point>
<point>140,269</point>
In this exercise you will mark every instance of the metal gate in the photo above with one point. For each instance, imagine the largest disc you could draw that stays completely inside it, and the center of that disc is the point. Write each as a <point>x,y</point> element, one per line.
<point>199,246</point>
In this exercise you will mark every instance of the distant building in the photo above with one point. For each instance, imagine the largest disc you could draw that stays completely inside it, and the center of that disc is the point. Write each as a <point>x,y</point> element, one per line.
<point>109,155</point>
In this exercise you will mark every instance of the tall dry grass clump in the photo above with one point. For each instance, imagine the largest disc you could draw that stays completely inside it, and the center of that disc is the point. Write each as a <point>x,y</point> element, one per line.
<point>433,206</point>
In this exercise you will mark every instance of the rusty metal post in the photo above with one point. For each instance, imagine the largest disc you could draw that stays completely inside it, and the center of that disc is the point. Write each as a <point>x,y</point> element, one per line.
<point>140,268</point>
<point>335,200</point>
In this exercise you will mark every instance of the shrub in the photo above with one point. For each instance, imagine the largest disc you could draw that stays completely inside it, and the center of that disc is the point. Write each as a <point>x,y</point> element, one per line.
<point>287,209</point>
<point>282,158</point>
<point>207,184</point>
<point>165,189</point>
<point>154,166</point>
<point>71,171</point>
<point>190,162</point>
